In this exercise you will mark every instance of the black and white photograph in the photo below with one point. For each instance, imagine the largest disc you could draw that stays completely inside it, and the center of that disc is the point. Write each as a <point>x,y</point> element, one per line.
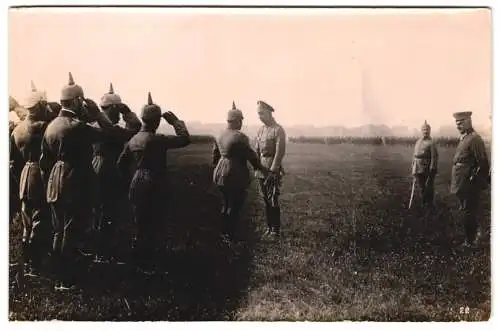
<point>249,164</point>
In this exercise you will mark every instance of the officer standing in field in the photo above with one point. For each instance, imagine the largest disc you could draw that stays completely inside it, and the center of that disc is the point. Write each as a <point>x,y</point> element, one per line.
<point>231,152</point>
<point>470,174</point>
<point>270,147</point>
<point>425,165</point>
<point>111,187</point>
<point>66,164</point>
<point>25,152</point>
<point>147,151</point>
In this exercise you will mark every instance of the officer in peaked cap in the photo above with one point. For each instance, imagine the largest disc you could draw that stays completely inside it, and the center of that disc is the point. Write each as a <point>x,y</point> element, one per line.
<point>470,175</point>
<point>425,165</point>
<point>110,187</point>
<point>270,147</point>
<point>66,164</point>
<point>25,152</point>
<point>231,152</point>
<point>146,151</point>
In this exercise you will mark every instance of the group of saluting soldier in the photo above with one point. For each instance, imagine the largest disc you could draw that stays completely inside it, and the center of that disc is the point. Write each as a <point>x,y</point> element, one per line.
<point>471,173</point>
<point>72,165</point>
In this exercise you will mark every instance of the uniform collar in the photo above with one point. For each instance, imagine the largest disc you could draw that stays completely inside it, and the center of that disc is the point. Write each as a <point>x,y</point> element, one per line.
<point>462,137</point>
<point>67,112</point>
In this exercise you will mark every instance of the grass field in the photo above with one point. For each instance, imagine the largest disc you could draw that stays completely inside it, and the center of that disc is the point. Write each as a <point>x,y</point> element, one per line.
<point>350,251</point>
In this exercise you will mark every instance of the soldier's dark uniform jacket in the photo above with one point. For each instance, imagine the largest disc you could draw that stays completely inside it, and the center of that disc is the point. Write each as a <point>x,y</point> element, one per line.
<point>26,142</point>
<point>230,155</point>
<point>425,166</point>
<point>107,151</point>
<point>147,151</point>
<point>470,155</point>
<point>14,204</point>
<point>469,176</point>
<point>111,186</point>
<point>146,154</point>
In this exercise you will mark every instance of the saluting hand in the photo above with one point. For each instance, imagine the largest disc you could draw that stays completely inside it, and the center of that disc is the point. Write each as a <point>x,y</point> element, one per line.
<point>91,108</point>
<point>124,109</point>
<point>170,117</point>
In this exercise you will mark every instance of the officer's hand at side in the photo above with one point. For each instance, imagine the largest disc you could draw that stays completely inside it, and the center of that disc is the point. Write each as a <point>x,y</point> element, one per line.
<point>170,117</point>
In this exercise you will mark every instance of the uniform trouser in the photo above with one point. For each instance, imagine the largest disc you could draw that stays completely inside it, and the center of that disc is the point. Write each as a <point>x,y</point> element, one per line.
<point>232,203</point>
<point>426,185</point>
<point>34,215</point>
<point>69,222</point>
<point>469,205</point>
<point>149,231</point>
<point>273,211</point>
<point>105,220</point>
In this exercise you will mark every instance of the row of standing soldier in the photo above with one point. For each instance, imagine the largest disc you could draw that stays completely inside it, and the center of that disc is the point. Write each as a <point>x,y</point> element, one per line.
<point>59,161</point>
<point>471,173</point>
<point>72,172</point>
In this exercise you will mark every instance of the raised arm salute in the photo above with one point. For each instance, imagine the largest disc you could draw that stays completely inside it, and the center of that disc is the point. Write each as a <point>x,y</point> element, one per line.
<point>111,188</point>
<point>66,164</point>
<point>146,154</point>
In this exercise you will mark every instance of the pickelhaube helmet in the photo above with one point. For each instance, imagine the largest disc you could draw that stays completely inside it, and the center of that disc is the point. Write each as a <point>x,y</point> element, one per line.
<point>234,114</point>
<point>150,110</point>
<point>34,97</point>
<point>110,98</point>
<point>12,103</point>
<point>72,90</point>
<point>426,125</point>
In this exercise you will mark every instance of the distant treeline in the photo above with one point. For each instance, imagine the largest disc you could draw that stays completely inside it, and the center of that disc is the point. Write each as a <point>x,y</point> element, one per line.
<point>442,141</point>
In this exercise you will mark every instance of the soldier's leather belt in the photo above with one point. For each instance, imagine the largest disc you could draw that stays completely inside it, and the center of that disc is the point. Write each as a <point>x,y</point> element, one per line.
<point>421,157</point>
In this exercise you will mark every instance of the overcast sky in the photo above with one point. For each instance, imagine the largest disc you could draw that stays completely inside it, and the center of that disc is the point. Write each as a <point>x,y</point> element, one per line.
<point>322,67</point>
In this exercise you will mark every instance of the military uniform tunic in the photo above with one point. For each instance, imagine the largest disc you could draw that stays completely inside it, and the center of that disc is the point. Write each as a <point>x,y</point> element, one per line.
<point>231,152</point>
<point>66,163</point>
<point>469,155</point>
<point>25,154</point>
<point>111,187</point>
<point>271,147</point>
<point>146,154</point>
<point>424,167</point>
<point>469,176</point>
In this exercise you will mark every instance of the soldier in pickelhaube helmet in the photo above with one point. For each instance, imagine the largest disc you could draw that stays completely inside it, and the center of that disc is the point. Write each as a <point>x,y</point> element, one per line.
<point>25,152</point>
<point>14,206</point>
<point>146,151</point>
<point>66,164</point>
<point>469,175</point>
<point>231,152</point>
<point>425,165</point>
<point>110,186</point>
<point>271,147</point>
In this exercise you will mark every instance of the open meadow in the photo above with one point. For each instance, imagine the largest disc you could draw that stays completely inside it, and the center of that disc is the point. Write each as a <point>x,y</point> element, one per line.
<point>350,250</point>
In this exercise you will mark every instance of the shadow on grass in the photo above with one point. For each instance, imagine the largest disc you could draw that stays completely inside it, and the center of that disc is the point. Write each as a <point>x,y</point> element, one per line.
<point>204,279</point>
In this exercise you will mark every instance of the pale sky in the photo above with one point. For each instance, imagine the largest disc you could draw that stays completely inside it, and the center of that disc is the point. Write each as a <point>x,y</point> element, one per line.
<point>321,67</point>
